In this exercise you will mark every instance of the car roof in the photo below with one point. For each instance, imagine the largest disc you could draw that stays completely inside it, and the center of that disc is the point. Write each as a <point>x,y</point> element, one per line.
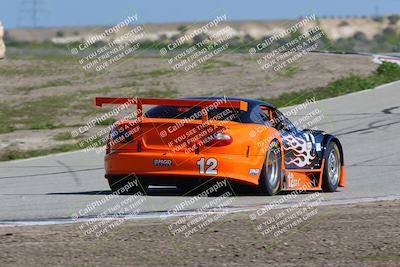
<point>251,102</point>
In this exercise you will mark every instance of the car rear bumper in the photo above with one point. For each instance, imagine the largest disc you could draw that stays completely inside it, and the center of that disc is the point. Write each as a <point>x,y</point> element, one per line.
<point>142,164</point>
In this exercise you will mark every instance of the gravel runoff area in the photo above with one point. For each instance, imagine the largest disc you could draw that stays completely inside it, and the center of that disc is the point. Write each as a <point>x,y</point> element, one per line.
<point>345,235</point>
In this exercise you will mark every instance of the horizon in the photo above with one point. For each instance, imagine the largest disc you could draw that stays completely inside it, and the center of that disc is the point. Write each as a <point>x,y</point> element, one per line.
<point>56,14</point>
<point>199,21</point>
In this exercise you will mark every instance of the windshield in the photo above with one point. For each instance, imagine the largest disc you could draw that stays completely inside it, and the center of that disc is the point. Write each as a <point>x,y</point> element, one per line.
<point>194,113</point>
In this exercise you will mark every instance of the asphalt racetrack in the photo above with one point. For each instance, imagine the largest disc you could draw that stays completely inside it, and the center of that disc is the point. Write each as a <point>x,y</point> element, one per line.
<point>367,123</point>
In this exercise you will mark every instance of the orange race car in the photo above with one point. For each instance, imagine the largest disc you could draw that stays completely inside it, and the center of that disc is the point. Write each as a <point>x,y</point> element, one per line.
<point>185,141</point>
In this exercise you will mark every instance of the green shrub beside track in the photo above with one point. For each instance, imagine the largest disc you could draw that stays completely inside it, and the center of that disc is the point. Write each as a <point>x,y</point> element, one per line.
<point>385,73</point>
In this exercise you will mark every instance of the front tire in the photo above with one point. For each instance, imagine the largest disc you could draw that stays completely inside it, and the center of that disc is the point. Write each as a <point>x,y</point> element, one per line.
<point>332,168</point>
<point>270,177</point>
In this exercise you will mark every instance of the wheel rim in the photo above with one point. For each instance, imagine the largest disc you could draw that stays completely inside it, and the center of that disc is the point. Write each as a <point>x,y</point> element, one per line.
<point>333,167</point>
<point>272,165</point>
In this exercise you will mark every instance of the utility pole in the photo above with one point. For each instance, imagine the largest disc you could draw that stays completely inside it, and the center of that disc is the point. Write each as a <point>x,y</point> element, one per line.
<point>34,13</point>
<point>30,9</point>
<point>376,11</point>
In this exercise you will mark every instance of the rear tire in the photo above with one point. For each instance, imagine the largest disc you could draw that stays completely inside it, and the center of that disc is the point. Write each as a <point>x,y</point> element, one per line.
<point>332,168</point>
<point>270,177</point>
<point>126,185</point>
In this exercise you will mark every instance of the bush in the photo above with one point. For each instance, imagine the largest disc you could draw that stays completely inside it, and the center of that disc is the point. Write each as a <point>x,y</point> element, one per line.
<point>388,71</point>
<point>389,31</point>
<point>393,19</point>
<point>182,28</point>
<point>200,38</point>
<point>360,36</point>
<point>60,34</point>
<point>385,73</point>
<point>378,19</point>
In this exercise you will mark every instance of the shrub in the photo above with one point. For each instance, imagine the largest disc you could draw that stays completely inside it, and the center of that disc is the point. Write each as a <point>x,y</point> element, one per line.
<point>60,34</point>
<point>378,19</point>
<point>393,19</point>
<point>385,73</point>
<point>360,36</point>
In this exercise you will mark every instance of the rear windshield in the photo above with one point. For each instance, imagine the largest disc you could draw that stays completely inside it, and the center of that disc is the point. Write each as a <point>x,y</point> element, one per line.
<point>194,113</point>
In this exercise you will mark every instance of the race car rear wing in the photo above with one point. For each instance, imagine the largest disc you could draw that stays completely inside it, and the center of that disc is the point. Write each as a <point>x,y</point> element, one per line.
<point>205,105</point>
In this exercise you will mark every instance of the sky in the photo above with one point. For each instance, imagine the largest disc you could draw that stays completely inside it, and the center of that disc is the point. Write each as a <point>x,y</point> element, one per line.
<point>56,13</point>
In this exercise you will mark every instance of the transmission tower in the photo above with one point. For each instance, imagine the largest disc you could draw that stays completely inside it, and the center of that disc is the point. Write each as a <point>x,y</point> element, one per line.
<point>29,12</point>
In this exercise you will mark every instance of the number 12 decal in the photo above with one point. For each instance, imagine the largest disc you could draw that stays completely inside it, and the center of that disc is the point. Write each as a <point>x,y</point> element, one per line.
<point>210,166</point>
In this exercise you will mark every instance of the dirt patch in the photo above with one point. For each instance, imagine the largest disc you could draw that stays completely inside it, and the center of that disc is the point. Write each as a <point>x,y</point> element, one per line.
<point>42,93</point>
<point>345,235</point>
<point>230,74</point>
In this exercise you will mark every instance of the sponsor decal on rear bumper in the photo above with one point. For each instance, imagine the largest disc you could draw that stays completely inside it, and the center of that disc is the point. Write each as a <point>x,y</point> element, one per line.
<point>162,162</point>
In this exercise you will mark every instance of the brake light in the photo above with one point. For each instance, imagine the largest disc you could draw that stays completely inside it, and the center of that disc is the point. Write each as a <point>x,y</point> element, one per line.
<point>219,139</point>
<point>121,134</point>
<point>183,109</point>
<point>108,148</point>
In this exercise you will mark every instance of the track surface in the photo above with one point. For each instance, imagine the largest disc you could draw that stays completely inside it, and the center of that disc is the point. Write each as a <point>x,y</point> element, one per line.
<point>367,123</point>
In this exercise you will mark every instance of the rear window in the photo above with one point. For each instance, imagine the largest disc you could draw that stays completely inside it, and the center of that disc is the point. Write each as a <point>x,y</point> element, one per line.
<point>194,113</point>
